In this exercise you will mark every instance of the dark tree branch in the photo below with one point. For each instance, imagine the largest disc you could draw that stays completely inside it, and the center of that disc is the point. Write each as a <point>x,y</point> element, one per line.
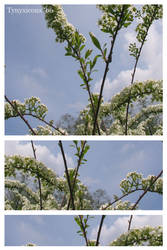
<point>130,222</point>
<point>100,228</point>
<point>67,174</point>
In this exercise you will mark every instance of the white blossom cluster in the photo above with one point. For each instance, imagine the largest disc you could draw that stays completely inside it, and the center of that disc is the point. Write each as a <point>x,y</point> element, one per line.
<point>47,130</point>
<point>135,181</point>
<point>144,122</point>
<point>115,17</point>
<point>57,20</point>
<point>31,106</point>
<point>50,182</point>
<point>119,205</point>
<point>146,236</point>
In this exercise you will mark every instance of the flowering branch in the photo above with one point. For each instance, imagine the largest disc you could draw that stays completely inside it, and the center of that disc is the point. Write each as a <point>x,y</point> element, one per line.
<point>39,180</point>
<point>109,60</point>
<point>77,169</point>
<point>19,114</point>
<point>147,189</point>
<point>136,52</point>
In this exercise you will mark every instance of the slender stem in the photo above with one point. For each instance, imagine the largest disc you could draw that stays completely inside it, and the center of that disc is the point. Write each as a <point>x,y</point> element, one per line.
<point>107,69</point>
<point>21,116</point>
<point>129,226</point>
<point>100,228</point>
<point>76,172</point>
<point>42,120</point>
<point>134,71</point>
<point>130,222</point>
<point>67,174</point>
<point>47,123</point>
<point>124,195</point>
<point>84,231</point>
<point>86,81</point>
<point>39,181</point>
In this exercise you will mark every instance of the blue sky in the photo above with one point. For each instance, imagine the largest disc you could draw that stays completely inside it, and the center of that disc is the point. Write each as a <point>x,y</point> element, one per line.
<point>36,65</point>
<point>108,162</point>
<point>50,230</point>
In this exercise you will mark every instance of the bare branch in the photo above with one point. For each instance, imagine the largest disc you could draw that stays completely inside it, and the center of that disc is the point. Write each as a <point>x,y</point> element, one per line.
<point>130,222</point>
<point>100,228</point>
<point>67,174</point>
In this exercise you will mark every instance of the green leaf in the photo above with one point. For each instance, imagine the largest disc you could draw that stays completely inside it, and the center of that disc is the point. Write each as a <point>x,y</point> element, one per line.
<point>95,41</point>
<point>94,62</point>
<point>82,47</point>
<point>88,52</point>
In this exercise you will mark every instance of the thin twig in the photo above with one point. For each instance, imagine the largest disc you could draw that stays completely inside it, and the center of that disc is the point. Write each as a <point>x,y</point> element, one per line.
<point>84,231</point>
<point>76,172</point>
<point>47,123</point>
<point>42,120</point>
<point>133,74</point>
<point>21,116</point>
<point>109,60</point>
<point>100,228</point>
<point>123,196</point>
<point>67,174</point>
<point>130,222</point>
<point>129,227</point>
<point>39,181</point>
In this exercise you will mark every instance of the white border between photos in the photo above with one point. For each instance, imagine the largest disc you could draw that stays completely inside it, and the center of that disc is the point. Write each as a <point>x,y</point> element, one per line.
<point>4,138</point>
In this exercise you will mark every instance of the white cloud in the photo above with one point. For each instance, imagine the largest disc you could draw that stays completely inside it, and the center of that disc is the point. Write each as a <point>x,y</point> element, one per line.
<point>39,72</point>
<point>111,232</point>
<point>29,235</point>
<point>43,154</point>
<point>39,220</point>
<point>138,158</point>
<point>151,60</point>
<point>127,147</point>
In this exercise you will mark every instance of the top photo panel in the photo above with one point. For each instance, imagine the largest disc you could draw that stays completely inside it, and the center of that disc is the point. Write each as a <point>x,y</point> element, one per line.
<point>83,69</point>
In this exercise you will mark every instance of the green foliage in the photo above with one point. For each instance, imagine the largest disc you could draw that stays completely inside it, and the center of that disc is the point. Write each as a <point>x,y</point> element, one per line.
<point>115,17</point>
<point>82,222</point>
